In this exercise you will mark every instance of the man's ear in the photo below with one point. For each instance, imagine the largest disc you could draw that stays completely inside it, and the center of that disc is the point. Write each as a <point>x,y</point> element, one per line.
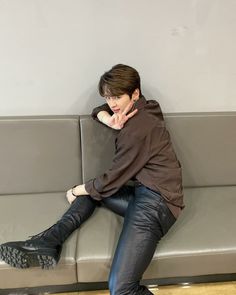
<point>135,95</point>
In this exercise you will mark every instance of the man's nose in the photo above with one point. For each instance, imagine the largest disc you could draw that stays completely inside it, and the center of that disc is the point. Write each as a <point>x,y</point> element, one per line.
<point>113,103</point>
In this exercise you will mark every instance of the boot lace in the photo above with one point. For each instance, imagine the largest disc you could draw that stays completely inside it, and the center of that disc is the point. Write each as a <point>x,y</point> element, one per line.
<point>40,235</point>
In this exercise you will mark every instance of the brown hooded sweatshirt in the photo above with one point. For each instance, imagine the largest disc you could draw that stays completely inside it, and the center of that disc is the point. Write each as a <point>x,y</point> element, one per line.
<point>143,151</point>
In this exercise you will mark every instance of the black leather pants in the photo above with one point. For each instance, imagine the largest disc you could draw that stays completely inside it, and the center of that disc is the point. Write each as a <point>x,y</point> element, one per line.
<point>146,220</point>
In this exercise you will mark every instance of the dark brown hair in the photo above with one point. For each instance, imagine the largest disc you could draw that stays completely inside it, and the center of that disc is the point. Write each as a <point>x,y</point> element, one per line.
<point>120,79</point>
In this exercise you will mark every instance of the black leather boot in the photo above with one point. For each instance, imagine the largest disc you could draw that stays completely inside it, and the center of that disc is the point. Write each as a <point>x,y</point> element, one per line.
<point>44,249</point>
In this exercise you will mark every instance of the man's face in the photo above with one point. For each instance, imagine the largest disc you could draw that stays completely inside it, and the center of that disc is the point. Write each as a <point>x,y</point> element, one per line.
<point>118,103</point>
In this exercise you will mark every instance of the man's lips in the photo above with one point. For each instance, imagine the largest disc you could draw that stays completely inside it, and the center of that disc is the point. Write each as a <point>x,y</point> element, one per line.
<point>115,110</point>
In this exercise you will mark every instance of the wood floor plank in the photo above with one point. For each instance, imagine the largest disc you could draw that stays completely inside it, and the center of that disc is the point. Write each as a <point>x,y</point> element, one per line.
<point>227,288</point>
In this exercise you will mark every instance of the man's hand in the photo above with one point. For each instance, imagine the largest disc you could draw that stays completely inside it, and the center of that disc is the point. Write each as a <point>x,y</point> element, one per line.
<point>78,191</point>
<point>70,197</point>
<point>118,120</point>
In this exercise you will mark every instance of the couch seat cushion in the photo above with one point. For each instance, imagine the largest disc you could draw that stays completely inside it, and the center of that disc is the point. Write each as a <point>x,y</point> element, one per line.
<point>201,242</point>
<point>25,215</point>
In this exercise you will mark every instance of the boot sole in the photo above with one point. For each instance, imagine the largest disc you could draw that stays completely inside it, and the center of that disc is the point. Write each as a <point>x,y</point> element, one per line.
<point>20,258</point>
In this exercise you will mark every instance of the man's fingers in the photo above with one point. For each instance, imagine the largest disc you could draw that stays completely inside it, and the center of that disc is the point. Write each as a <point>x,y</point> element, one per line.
<point>128,108</point>
<point>132,114</point>
<point>119,119</point>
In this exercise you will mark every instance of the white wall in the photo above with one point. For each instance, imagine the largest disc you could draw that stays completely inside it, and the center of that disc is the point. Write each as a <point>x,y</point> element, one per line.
<point>52,53</point>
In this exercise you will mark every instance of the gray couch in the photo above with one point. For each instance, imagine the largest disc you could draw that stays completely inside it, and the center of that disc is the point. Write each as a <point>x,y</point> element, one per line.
<point>42,157</point>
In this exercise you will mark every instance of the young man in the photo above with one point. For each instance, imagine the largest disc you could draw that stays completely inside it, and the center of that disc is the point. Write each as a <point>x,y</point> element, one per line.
<point>143,154</point>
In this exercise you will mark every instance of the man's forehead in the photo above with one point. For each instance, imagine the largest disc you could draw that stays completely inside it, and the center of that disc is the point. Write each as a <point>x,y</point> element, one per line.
<point>109,93</point>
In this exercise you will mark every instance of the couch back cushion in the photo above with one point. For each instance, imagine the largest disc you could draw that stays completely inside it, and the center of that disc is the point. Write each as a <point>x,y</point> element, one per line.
<point>205,144</point>
<point>39,154</point>
<point>98,147</point>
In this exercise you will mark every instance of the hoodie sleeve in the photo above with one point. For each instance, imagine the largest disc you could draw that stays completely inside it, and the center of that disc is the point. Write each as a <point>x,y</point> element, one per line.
<point>130,157</point>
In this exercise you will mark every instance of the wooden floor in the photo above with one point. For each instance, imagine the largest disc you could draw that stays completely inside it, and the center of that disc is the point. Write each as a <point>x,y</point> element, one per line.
<point>228,288</point>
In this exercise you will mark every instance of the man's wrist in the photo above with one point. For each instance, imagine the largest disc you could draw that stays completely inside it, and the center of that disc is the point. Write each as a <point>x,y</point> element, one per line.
<point>79,190</point>
<point>72,191</point>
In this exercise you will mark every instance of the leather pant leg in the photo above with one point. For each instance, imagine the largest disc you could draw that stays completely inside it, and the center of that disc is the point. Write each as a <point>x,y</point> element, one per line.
<point>118,203</point>
<point>146,221</point>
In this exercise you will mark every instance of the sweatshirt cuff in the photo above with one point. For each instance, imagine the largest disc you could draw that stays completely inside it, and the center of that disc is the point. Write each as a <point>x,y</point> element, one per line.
<point>90,188</point>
